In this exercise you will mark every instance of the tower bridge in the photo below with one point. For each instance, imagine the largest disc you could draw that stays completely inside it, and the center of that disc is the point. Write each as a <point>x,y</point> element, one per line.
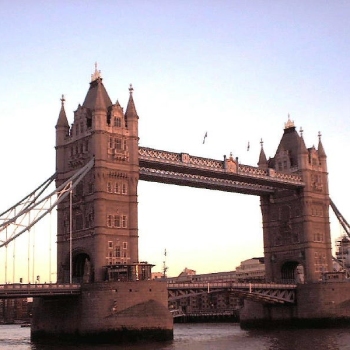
<point>98,165</point>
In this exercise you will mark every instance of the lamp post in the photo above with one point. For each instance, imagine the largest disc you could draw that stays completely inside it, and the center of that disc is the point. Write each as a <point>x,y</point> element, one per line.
<point>70,235</point>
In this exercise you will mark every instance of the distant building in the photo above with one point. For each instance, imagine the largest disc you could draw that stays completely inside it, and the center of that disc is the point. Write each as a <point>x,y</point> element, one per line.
<point>15,310</point>
<point>157,275</point>
<point>343,252</point>
<point>251,270</point>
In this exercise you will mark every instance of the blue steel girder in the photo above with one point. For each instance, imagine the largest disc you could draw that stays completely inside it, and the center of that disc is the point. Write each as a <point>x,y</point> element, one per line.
<point>186,170</point>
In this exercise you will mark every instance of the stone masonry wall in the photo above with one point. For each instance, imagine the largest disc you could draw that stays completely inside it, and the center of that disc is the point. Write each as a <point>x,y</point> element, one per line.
<point>104,312</point>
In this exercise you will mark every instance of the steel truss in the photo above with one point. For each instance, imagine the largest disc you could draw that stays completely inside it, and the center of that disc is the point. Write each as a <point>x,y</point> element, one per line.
<point>19,218</point>
<point>261,292</point>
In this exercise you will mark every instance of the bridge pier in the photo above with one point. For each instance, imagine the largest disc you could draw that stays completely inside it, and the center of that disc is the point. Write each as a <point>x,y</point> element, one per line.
<point>322,304</point>
<point>110,312</point>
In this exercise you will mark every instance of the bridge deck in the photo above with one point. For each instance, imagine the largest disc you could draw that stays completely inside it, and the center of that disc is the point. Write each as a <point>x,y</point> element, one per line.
<point>10,291</point>
<point>263,292</point>
<point>271,293</point>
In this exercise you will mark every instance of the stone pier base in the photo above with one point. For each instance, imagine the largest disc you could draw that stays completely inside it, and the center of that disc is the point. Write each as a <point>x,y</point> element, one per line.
<point>317,305</point>
<point>110,312</point>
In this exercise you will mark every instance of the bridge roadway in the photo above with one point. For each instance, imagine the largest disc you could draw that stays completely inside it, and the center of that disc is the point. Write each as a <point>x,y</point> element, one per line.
<point>20,290</point>
<point>261,292</point>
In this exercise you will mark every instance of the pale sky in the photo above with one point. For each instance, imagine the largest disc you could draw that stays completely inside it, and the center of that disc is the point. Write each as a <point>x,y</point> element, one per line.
<point>233,69</point>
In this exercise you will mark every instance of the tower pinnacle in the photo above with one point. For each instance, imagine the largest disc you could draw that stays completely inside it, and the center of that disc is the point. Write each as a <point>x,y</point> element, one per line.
<point>289,124</point>
<point>97,74</point>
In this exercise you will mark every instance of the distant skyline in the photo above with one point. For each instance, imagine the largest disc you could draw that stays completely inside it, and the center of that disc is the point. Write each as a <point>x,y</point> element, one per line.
<point>234,70</point>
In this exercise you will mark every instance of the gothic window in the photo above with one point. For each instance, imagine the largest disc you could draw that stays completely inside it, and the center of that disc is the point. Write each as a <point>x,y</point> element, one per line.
<point>81,127</point>
<point>124,221</point>
<point>318,236</point>
<point>86,146</point>
<point>295,237</point>
<point>109,187</point>
<point>117,122</point>
<point>125,245</point>
<point>117,251</point>
<point>124,145</point>
<point>116,188</point>
<point>87,221</point>
<point>76,130</point>
<point>88,122</point>
<point>280,168</point>
<point>71,151</point>
<point>116,221</point>
<point>118,144</point>
<point>110,142</point>
<point>79,190</point>
<point>91,218</point>
<point>78,221</point>
<point>110,244</point>
<point>124,188</point>
<point>109,220</point>
<point>278,239</point>
<point>91,187</point>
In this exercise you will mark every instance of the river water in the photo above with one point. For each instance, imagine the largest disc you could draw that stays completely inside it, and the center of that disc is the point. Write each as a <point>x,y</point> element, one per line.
<point>203,336</point>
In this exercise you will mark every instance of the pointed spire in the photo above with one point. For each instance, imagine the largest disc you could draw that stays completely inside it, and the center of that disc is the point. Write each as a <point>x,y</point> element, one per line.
<point>97,96</point>
<point>131,109</point>
<point>321,152</point>
<point>62,117</point>
<point>303,149</point>
<point>262,163</point>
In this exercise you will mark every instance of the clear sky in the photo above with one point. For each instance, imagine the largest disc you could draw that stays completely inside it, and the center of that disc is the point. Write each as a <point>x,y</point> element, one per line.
<point>234,69</point>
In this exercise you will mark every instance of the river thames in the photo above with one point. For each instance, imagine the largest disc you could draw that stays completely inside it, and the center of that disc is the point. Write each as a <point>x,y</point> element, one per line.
<point>203,336</point>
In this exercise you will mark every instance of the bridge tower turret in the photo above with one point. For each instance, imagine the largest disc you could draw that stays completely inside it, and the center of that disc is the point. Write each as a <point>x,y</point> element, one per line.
<point>102,223</point>
<point>296,227</point>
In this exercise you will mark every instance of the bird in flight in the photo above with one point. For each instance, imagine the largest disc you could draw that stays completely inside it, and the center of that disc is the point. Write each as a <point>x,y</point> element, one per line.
<point>205,136</point>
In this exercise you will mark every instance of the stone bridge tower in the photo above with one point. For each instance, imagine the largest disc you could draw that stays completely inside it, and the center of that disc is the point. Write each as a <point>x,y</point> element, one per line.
<point>296,226</point>
<point>104,213</point>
